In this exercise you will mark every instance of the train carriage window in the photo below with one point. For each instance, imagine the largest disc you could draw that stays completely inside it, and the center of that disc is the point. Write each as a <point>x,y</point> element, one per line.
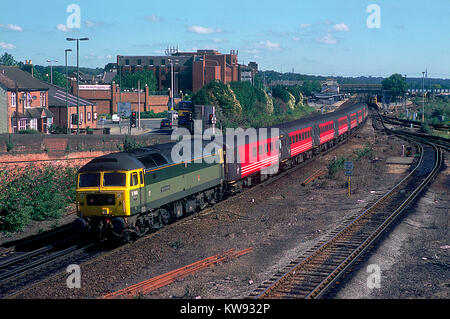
<point>272,145</point>
<point>254,151</point>
<point>266,146</point>
<point>141,176</point>
<point>260,150</point>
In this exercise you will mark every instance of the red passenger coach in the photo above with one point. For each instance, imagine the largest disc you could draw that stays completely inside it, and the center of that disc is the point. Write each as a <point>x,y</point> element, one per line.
<point>360,117</point>
<point>260,154</point>
<point>343,125</point>
<point>353,122</point>
<point>301,141</point>
<point>326,132</point>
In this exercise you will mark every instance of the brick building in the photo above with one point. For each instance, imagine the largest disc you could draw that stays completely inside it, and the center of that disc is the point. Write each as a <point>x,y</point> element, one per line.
<point>192,70</point>
<point>106,98</point>
<point>57,105</point>
<point>23,102</point>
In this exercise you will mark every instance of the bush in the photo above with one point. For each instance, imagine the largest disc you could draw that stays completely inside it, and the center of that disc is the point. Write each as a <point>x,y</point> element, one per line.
<point>34,193</point>
<point>336,165</point>
<point>29,131</point>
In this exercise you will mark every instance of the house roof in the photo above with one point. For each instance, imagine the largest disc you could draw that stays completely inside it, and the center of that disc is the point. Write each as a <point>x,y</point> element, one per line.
<point>34,112</point>
<point>14,78</point>
<point>57,97</point>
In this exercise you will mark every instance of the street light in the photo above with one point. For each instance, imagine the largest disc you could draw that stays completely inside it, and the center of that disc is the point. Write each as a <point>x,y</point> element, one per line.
<point>51,70</point>
<point>78,77</point>
<point>67,93</point>
<point>423,97</point>
<point>404,95</point>
<point>172,81</point>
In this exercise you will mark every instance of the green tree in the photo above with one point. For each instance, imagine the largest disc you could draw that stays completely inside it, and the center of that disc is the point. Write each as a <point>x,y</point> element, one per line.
<point>130,81</point>
<point>7,59</point>
<point>396,83</point>
<point>309,87</point>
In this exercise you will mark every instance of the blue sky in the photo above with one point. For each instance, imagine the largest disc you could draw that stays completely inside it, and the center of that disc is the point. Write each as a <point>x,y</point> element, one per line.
<point>321,37</point>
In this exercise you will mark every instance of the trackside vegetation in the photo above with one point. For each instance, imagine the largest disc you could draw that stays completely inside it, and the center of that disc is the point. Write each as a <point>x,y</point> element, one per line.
<point>242,104</point>
<point>34,193</point>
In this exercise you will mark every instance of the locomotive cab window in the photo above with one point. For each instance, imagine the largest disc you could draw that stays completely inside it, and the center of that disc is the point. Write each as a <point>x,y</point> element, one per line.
<point>114,179</point>
<point>134,179</point>
<point>89,180</point>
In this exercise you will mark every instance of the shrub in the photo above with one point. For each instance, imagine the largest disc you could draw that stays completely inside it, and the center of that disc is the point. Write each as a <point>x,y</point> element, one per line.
<point>34,193</point>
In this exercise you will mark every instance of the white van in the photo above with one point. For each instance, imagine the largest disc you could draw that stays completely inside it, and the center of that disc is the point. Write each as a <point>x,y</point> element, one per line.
<point>115,118</point>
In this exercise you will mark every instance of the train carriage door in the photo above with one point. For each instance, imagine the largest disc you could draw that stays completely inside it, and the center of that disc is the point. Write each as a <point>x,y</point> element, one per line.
<point>135,194</point>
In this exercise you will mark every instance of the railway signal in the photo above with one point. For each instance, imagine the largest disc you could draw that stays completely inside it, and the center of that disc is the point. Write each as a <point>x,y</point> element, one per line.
<point>133,120</point>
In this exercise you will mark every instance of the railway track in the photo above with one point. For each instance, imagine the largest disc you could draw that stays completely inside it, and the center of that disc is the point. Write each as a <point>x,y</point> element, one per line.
<point>311,275</point>
<point>23,268</point>
<point>20,271</point>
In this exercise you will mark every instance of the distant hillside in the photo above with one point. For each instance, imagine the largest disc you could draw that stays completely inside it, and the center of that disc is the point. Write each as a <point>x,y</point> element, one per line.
<point>62,69</point>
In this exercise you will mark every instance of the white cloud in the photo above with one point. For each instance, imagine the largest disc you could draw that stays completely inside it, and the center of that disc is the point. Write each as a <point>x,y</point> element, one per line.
<point>7,46</point>
<point>269,45</point>
<point>11,27</point>
<point>203,30</point>
<point>341,27</point>
<point>296,39</point>
<point>91,24</point>
<point>305,25</point>
<point>153,18</point>
<point>63,27</point>
<point>328,39</point>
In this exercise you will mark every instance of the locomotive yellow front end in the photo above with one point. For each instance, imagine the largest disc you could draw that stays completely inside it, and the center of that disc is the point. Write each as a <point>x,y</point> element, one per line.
<point>102,194</point>
<point>105,187</point>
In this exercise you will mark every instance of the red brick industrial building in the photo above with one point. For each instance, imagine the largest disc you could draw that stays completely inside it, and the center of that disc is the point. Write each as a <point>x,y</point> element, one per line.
<point>192,70</point>
<point>106,98</point>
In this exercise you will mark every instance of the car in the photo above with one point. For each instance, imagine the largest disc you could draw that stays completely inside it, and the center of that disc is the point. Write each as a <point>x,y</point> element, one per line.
<point>166,123</point>
<point>115,118</point>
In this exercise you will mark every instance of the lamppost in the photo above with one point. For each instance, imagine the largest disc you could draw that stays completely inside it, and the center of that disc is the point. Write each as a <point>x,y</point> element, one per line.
<point>67,93</point>
<point>51,70</point>
<point>404,95</point>
<point>78,77</point>
<point>423,97</point>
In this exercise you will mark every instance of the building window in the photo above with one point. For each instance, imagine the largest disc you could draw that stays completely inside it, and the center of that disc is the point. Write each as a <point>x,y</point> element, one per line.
<point>81,117</point>
<point>13,99</point>
<point>33,124</point>
<point>163,62</point>
<point>43,101</point>
<point>88,116</point>
<point>127,62</point>
<point>95,116</point>
<point>22,124</point>
<point>151,62</point>
<point>139,62</point>
<point>27,99</point>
